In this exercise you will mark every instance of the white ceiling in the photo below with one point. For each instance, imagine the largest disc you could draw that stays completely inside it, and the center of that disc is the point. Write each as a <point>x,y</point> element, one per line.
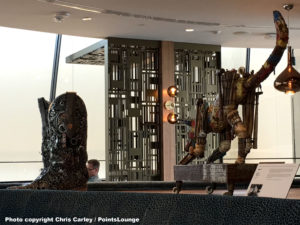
<point>214,21</point>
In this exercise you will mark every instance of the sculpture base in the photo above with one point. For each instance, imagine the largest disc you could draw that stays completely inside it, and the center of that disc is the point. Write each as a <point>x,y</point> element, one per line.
<point>229,174</point>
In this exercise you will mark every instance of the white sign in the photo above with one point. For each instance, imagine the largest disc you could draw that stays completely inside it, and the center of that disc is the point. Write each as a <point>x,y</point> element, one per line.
<point>272,180</point>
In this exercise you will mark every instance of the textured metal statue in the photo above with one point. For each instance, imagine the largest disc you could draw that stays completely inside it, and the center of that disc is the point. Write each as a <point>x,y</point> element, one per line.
<point>235,88</point>
<point>64,144</point>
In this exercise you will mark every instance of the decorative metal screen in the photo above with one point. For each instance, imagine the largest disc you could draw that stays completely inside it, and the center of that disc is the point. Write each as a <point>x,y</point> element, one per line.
<point>195,77</point>
<point>134,110</point>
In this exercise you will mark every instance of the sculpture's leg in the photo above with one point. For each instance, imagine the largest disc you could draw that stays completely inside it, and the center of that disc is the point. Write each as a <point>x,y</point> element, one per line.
<point>198,151</point>
<point>187,159</point>
<point>241,151</point>
<point>220,151</point>
<point>240,130</point>
<point>44,106</point>
<point>200,130</point>
<point>196,144</point>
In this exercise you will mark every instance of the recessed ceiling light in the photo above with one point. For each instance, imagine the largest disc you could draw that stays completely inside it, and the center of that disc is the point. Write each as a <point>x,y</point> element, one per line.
<point>60,16</point>
<point>240,33</point>
<point>189,30</point>
<point>216,32</point>
<point>86,19</point>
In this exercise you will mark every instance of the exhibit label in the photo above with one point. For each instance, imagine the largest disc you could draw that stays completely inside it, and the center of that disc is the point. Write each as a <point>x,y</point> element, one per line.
<point>272,180</point>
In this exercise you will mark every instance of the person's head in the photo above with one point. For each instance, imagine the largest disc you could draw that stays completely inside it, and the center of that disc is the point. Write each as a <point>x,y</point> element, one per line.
<point>93,167</point>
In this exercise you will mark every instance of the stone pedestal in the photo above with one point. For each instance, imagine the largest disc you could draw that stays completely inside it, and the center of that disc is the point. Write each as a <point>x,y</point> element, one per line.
<point>229,174</point>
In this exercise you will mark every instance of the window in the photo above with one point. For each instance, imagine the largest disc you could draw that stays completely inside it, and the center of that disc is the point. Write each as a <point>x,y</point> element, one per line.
<point>25,76</point>
<point>275,115</point>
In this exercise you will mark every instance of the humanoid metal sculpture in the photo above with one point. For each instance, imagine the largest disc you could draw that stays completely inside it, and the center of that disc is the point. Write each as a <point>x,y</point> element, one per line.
<point>64,144</point>
<point>235,88</point>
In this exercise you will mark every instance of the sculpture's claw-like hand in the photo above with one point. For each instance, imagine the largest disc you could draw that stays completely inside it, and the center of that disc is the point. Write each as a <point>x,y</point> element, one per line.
<point>282,30</point>
<point>282,33</point>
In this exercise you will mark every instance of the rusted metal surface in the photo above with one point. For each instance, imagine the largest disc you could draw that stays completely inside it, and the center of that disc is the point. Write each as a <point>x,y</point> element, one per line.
<point>215,173</point>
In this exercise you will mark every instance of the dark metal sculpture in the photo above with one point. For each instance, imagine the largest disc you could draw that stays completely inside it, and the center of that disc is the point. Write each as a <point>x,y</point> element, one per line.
<point>64,144</point>
<point>235,88</point>
<point>45,149</point>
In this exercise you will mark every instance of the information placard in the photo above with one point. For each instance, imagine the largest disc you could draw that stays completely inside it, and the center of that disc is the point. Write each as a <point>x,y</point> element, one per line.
<point>272,180</point>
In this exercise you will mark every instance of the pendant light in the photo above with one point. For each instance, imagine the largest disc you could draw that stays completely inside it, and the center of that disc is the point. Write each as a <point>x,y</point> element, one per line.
<point>289,79</point>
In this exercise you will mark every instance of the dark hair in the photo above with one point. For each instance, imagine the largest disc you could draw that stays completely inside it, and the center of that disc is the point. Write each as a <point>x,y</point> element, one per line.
<point>95,163</point>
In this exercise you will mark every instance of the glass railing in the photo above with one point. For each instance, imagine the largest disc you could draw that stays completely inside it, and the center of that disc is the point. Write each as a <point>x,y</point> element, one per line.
<point>11,171</point>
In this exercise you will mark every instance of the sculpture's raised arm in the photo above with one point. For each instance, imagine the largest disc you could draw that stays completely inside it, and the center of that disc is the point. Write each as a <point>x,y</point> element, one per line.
<point>282,36</point>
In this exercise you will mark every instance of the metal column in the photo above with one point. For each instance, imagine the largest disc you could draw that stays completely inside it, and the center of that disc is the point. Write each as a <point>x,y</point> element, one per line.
<point>55,67</point>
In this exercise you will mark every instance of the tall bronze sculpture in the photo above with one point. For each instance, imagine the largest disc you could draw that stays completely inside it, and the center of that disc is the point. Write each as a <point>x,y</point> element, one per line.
<point>235,88</point>
<point>64,124</point>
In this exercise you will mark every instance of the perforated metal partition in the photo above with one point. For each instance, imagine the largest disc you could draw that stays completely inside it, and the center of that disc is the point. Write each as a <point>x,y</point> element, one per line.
<point>196,77</point>
<point>134,110</point>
